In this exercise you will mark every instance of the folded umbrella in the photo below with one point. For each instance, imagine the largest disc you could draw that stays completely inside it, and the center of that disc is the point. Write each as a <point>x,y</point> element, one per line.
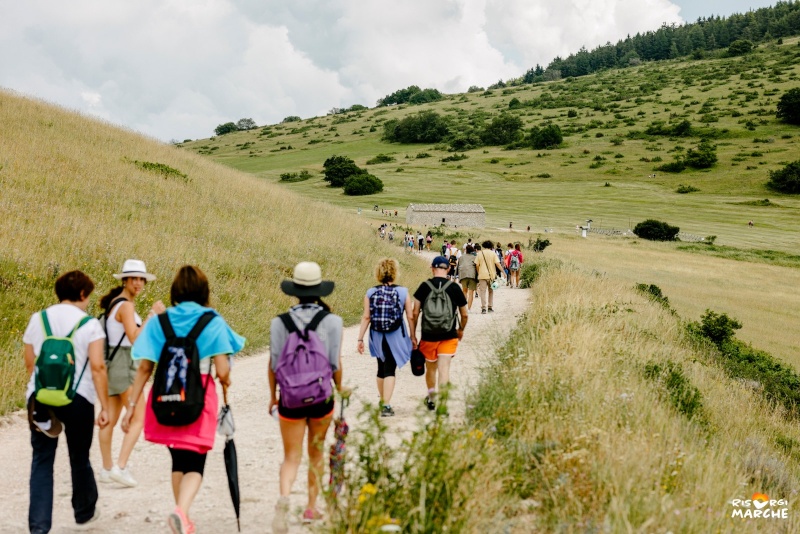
<point>226,427</point>
<point>338,451</point>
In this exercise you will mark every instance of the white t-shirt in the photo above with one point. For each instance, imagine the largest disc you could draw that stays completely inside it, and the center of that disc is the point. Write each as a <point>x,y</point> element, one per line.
<point>116,329</point>
<point>62,319</point>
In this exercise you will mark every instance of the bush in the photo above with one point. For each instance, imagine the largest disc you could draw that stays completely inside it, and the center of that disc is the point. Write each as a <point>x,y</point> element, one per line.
<point>683,189</point>
<point>653,292</point>
<point>786,180</point>
<point>226,128</point>
<point>740,47</point>
<point>475,89</point>
<point>572,113</point>
<point>295,177</point>
<point>380,158</point>
<point>674,384</point>
<point>338,169</point>
<point>291,118</point>
<point>674,166</point>
<point>539,245</point>
<point>503,129</point>
<point>654,230</point>
<point>545,138</point>
<point>424,127</point>
<point>454,157</point>
<point>789,106</point>
<point>362,184</point>
<point>246,124</point>
<point>702,157</point>
<point>719,328</point>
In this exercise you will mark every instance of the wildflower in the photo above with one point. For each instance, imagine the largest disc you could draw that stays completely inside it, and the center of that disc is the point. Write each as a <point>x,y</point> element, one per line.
<point>367,490</point>
<point>476,434</point>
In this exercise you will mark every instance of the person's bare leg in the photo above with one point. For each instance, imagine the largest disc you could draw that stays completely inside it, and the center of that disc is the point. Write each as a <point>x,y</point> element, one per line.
<point>189,486</point>
<point>176,485</point>
<point>380,383</point>
<point>317,428</point>
<point>292,432</point>
<point>388,389</point>
<point>430,375</point>
<point>135,430</point>
<point>444,369</point>
<point>106,435</point>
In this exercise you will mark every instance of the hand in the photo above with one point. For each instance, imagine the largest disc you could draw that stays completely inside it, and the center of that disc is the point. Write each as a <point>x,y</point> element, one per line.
<point>460,333</point>
<point>225,381</point>
<point>126,420</point>
<point>272,403</point>
<point>360,346</point>
<point>158,307</point>
<point>102,419</point>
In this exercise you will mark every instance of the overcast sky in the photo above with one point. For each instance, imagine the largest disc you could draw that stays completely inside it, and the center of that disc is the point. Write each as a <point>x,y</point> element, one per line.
<point>175,69</point>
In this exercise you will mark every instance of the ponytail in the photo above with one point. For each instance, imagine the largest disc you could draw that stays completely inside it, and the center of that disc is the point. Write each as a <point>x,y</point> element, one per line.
<point>109,297</point>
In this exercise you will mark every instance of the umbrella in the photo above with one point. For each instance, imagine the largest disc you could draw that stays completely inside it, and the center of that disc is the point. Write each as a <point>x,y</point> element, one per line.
<point>225,427</point>
<point>338,451</point>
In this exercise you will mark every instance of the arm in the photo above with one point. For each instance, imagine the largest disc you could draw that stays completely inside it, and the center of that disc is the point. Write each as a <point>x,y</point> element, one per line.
<point>337,376</point>
<point>97,362</point>
<point>413,323</point>
<point>464,316</point>
<point>30,358</point>
<point>126,316</point>
<point>273,389</point>
<point>222,364</point>
<point>142,376</point>
<point>364,325</point>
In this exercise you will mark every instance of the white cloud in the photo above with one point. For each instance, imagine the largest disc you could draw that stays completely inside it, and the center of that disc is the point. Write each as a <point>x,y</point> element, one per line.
<point>177,68</point>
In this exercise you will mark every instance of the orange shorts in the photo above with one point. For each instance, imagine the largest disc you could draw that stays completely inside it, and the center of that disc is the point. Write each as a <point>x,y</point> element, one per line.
<point>432,349</point>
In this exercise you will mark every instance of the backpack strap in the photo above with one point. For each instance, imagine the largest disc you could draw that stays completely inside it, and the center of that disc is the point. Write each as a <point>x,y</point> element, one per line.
<point>201,323</point>
<point>316,320</point>
<point>48,332</point>
<point>80,324</point>
<point>105,327</point>
<point>166,326</point>
<point>288,322</point>
<point>86,363</point>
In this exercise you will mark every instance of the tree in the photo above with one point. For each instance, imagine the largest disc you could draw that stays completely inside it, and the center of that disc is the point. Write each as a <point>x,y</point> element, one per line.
<point>503,129</point>
<point>246,124</point>
<point>703,157</point>
<point>740,47</point>
<point>292,118</point>
<point>544,138</point>
<point>656,230</point>
<point>338,169</point>
<point>789,106</point>
<point>786,180</point>
<point>401,96</point>
<point>423,127</point>
<point>223,129</point>
<point>426,95</point>
<point>362,184</point>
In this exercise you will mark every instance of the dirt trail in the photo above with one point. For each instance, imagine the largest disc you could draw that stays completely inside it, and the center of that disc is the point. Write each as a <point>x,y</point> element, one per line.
<point>144,509</point>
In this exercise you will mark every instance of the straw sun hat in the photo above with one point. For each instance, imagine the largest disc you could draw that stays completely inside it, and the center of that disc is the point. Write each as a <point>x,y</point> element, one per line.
<point>307,281</point>
<point>134,269</point>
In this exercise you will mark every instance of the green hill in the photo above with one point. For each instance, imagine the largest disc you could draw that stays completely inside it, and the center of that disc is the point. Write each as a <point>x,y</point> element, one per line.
<point>80,194</point>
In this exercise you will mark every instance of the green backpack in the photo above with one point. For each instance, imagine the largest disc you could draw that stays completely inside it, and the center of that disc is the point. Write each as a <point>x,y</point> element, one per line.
<point>438,315</point>
<point>55,366</point>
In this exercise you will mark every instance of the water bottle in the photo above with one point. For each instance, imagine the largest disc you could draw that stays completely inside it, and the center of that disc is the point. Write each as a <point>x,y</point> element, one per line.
<point>274,412</point>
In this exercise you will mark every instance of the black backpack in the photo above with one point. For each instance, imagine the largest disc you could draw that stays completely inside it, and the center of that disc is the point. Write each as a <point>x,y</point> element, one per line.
<point>178,394</point>
<point>103,318</point>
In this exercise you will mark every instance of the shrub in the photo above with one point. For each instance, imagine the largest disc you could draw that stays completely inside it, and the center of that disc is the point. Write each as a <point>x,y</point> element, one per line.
<point>422,155</point>
<point>719,328</point>
<point>246,124</point>
<point>475,89</point>
<point>226,128</point>
<point>653,292</point>
<point>546,137</point>
<point>702,157</point>
<point>674,384</point>
<point>454,157</point>
<point>787,179</point>
<point>654,230</point>
<point>338,169</point>
<point>295,177</point>
<point>539,245</point>
<point>572,113</point>
<point>674,166</point>
<point>789,106</point>
<point>503,129</point>
<point>683,189</point>
<point>380,158</point>
<point>424,127</point>
<point>426,95</point>
<point>740,47</point>
<point>291,118</point>
<point>362,184</point>
<point>161,168</point>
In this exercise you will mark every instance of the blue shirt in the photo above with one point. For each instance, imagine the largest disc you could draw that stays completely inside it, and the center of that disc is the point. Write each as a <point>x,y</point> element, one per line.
<point>216,338</point>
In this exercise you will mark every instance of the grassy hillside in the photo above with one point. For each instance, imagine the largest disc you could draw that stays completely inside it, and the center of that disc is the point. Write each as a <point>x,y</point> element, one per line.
<point>600,414</point>
<point>732,99</point>
<point>81,194</point>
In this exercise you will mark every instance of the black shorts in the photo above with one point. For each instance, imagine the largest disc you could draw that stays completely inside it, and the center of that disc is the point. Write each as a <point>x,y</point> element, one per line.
<point>315,411</point>
<point>184,461</point>
<point>388,366</point>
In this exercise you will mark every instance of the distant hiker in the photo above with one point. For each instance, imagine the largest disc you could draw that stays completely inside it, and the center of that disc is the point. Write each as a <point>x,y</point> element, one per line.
<point>750,224</point>
<point>467,244</point>
<point>181,408</point>
<point>391,235</point>
<point>444,317</point>
<point>305,341</point>
<point>428,240</point>
<point>54,403</point>
<point>389,341</point>
<point>486,262</point>
<point>420,240</point>
<point>445,246</point>
<point>510,226</point>
<point>122,327</point>
<point>529,227</point>
<point>453,254</point>
<point>514,265</point>
<point>410,243</point>
<point>468,274</point>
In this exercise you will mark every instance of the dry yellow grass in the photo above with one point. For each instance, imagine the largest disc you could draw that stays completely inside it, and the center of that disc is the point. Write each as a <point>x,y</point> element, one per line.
<point>72,198</point>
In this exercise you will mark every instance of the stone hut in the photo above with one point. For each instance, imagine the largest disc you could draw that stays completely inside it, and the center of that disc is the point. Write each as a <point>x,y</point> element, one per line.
<point>471,215</point>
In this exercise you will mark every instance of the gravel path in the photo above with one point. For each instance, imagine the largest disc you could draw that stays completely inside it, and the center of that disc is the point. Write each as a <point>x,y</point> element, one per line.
<point>144,509</point>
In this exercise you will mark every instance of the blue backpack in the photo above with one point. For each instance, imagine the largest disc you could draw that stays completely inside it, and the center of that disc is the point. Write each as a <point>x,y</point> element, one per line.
<point>304,372</point>
<point>385,309</point>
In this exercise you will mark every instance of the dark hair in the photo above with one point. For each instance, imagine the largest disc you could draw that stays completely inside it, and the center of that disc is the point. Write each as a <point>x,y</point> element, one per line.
<point>487,244</point>
<point>477,246</point>
<point>510,245</point>
<point>108,298</point>
<point>470,249</point>
<point>190,285</point>
<point>516,247</point>
<point>73,286</point>
<point>314,300</point>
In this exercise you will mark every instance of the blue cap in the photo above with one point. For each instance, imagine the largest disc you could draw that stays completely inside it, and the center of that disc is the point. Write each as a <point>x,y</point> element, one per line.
<point>440,262</point>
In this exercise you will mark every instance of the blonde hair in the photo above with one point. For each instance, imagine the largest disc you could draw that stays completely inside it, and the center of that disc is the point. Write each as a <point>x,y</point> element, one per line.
<point>386,271</point>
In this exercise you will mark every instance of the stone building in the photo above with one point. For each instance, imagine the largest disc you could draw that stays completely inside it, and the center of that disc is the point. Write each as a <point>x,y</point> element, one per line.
<point>471,215</point>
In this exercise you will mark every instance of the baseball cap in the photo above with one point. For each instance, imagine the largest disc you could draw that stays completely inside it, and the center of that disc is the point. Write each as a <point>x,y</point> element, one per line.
<point>440,262</point>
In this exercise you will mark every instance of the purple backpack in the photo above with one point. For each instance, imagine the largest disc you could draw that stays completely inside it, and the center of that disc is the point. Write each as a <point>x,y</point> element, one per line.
<point>304,372</point>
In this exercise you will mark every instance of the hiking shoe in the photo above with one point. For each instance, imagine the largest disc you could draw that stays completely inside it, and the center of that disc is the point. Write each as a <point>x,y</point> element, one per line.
<point>430,404</point>
<point>483,310</point>
<point>122,476</point>
<point>179,523</point>
<point>279,523</point>
<point>86,525</point>
<point>386,411</point>
<point>105,476</point>
<point>491,310</point>
<point>311,515</point>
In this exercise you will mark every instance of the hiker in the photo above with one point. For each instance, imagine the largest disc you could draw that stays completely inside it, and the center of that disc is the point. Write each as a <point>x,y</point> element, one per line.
<point>420,241</point>
<point>468,274</point>
<point>389,342</point>
<point>51,409</point>
<point>504,260</point>
<point>181,408</point>
<point>428,240</point>
<point>514,265</point>
<point>485,262</point>
<point>122,327</point>
<point>303,406</point>
<point>468,244</point>
<point>441,304</point>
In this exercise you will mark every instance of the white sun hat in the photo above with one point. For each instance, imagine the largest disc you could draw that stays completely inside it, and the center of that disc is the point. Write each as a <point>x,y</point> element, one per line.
<point>134,269</point>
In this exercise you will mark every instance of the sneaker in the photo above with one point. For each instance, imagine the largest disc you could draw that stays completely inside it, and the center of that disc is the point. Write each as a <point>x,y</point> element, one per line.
<point>279,523</point>
<point>386,411</point>
<point>105,476</point>
<point>123,476</point>
<point>491,310</point>
<point>311,515</point>
<point>430,404</point>
<point>86,525</point>
<point>483,310</point>
<point>178,522</point>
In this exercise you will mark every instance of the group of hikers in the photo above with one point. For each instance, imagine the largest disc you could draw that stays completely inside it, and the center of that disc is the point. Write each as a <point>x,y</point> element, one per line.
<point>188,345</point>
